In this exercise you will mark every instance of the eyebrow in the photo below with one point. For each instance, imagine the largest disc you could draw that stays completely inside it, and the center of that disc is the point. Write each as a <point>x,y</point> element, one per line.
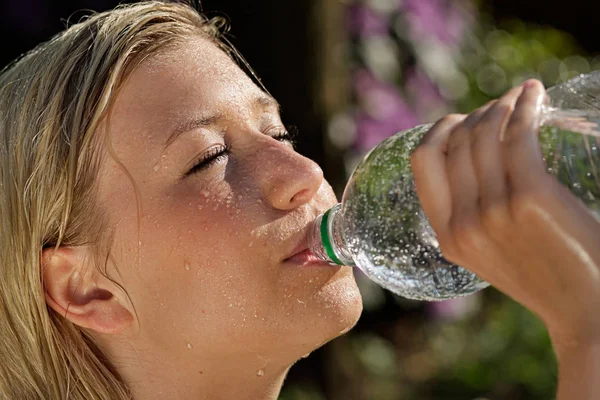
<point>263,101</point>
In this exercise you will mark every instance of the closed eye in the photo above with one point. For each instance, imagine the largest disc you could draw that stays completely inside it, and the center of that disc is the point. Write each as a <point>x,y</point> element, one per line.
<point>220,153</point>
<point>215,155</point>
<point>288,135</point>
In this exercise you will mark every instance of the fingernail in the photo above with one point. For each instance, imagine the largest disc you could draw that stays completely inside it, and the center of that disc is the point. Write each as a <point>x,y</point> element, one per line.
<point>529,84</point>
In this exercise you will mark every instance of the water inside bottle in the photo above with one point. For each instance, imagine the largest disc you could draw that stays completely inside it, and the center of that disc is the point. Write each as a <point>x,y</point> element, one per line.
<point>388,233</point>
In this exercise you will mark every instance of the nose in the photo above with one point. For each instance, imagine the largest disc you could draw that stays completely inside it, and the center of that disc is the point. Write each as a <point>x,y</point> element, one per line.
<point>288,179</point>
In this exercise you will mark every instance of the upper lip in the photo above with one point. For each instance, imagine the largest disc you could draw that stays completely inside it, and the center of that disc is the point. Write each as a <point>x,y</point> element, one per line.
<point>301,242</point>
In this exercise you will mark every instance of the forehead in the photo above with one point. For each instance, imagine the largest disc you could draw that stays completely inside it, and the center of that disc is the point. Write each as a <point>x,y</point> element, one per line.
<point>189,80</point>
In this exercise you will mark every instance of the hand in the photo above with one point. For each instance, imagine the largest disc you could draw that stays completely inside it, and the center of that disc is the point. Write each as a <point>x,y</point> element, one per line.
<point>497,212</point>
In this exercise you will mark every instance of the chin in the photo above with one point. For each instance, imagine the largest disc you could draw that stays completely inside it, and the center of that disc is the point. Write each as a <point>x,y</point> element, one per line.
<point>328,310</point>
<point>340,306</point>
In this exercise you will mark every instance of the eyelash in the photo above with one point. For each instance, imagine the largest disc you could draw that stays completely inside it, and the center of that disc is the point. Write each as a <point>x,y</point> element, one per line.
<point>217,154</point>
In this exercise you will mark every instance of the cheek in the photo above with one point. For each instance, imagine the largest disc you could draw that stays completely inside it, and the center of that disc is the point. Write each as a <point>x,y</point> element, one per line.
<point>201,267</point>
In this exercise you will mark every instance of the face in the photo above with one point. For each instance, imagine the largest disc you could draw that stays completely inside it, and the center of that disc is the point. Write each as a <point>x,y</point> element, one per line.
<point>200,246</point>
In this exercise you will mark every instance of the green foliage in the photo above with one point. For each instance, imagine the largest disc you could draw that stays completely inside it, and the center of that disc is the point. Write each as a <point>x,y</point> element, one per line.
<point>497,57</point>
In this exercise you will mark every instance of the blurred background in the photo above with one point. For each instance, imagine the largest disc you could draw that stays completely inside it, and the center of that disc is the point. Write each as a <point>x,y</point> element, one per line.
<point>350,73</point>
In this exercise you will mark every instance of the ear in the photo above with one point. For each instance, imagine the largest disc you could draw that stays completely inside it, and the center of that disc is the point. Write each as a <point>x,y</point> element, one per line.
<point>77,291</point>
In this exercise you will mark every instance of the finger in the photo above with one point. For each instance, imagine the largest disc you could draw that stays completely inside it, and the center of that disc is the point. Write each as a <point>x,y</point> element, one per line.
<point>521,150</point>
<point>438,135</point>
<point>459,166</point>
<point>462,131</point>
<point>428,163</point>
<point>487,157</point>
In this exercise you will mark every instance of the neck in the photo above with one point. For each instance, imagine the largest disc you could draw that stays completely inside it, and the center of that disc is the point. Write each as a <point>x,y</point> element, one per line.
<point>216,377</point>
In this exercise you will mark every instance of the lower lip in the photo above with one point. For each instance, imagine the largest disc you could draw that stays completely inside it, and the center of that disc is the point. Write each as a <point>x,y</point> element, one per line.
<point>307,258</point>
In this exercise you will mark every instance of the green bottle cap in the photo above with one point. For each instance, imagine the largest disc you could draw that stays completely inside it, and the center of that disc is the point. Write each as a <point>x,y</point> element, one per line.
<point>326,240</point>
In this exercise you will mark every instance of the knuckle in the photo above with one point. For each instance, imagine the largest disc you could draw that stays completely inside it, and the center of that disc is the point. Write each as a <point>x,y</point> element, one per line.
<point>457,138</point>
<point>452,118</point>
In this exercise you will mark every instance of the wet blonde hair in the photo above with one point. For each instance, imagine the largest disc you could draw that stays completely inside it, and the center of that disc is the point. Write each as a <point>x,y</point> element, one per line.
<point>51,101</point>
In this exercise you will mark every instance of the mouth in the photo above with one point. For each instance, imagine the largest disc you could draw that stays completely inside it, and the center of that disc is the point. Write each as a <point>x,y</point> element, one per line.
<point>306,258</point>
<point>301,253</point>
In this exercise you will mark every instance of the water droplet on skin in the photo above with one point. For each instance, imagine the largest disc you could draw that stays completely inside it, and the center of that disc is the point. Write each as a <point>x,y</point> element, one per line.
<point>187,266</point>
<point>306,355</point>
<point>189,346</point>
<point>205,193</point>
<point>345,331</point>
<point>198,273</point>
<point>260,372</point>
<point>156,168</point>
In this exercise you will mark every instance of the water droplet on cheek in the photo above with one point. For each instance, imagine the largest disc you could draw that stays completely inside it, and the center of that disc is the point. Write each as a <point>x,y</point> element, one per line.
<point>260,372</point>
<point>187,266</point>
<point>156,168</point>
<point>189,346</point>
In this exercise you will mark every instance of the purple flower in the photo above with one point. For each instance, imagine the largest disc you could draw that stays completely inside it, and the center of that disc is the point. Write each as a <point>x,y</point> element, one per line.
<point>441,19</point>
<point>361,20</point>
<point>455,309</point>
<point>424,93</point>
<point>382,110</point>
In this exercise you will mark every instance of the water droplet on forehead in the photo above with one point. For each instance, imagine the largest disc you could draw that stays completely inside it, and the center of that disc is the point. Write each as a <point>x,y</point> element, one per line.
<point>189,346</point>
<point>187,266</point>
<point>156,168</point>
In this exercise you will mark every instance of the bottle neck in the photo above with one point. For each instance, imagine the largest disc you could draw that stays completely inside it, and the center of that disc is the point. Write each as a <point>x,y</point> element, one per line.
<point>326,238</point>
<point>582,121</point>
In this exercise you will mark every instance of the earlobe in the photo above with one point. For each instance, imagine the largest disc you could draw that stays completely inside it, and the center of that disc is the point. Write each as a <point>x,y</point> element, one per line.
<point>77,291</point>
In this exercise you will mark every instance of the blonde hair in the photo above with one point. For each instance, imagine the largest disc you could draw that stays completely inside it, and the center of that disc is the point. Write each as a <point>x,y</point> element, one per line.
<point>51,101</point>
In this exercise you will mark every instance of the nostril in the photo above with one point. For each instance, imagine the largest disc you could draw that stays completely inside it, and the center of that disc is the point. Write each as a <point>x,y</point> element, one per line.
<point>301,196</point>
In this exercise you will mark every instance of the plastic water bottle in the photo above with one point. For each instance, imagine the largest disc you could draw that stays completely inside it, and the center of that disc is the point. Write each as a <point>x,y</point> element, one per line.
<point>381,228</point>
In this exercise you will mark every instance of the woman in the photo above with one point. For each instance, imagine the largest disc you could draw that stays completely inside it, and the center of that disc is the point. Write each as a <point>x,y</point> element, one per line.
<point>154,212</point>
